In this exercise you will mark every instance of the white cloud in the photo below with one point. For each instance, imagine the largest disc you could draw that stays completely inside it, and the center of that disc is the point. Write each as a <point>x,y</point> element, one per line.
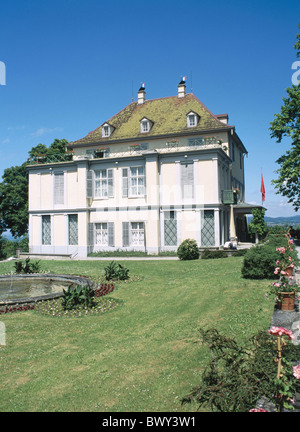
<point>15,127</point>
<point>42,131</point>
<point>5,141</point>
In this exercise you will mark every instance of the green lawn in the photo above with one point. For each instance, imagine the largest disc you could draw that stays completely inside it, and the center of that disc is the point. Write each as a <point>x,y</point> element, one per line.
<point>139,357</point>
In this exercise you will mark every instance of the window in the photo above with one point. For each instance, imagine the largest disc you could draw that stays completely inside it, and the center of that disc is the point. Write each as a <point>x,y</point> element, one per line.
<point>137,181</point>
<point>103,183</point>
<point>232,152</point>
<point>170,228</point>
<point>193,142</point>
<point>137,234</point>
<point>187,180</point>
<point>101,234</point>
<point>107,130</point>
<point>192,119</point>
<point>133,234</point>
<point>46,230</point>
<point>208,228</point>
<point>145,126</point>
<point>133,181</point>
<point>58,188</point>
<point>73,229</point>
<point>241,160</point>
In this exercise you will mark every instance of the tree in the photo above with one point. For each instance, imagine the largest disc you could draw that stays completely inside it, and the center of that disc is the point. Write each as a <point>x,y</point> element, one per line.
<point>287,124</point>
<point>14,189</point>
<point>14,203</point>
<point>257,226</point>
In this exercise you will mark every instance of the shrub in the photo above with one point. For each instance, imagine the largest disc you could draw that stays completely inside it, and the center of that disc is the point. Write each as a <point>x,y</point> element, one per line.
<point>188,250</point>
<point>240,252</point>
<point>78,296</point>
<point>208,254</point>
<point>116,271</point>
<point>259,261</point>
<point>238,376</point>
<point>27,266</point>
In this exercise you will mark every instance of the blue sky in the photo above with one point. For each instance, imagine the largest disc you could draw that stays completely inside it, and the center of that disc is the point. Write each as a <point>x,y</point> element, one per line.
<point>72,64</point>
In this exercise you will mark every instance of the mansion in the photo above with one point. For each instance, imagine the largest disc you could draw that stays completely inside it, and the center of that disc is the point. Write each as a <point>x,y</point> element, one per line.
<point>156,173</point>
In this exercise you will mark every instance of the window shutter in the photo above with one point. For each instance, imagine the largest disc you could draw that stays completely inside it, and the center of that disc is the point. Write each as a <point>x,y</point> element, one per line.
<point>59,188</point>
<point>110,181</point>
<point>125,182</point>
<point>90,236</point>
<point>125,226</point>
<point>187,180</point>
<point>89,184</point>
<point>111,234</point>
<point>143,188</point>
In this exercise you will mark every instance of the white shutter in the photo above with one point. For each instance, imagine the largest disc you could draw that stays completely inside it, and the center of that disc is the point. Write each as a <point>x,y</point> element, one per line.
<point>125,182</point>
<point>59,188</point>
<point>187,180</point>
<point>125,226</point>
<point>90,236</point>
<point>89,184</point>
<point>110,182</point>
<point>111,235</point>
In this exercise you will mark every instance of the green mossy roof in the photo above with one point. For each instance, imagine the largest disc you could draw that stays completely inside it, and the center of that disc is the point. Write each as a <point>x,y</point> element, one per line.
<point>168,116</point>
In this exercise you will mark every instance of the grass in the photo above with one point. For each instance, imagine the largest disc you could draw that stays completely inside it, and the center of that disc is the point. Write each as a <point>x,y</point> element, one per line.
<point>138,357</point>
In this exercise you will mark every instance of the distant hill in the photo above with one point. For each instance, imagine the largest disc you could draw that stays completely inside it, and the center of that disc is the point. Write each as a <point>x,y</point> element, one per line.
<point>281,220</point>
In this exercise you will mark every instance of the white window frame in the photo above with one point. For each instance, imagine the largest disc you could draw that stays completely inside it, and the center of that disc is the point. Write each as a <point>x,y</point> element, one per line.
<point>140,229</point>
<point>145,125</point>
<point>140,188</point>
<point>103,183</point>
<point>101,233</point>
<point>106,130</point>
<point>192,123</point>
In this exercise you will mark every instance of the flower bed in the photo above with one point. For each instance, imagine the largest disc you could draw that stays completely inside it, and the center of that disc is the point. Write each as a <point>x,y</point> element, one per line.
<point>55,308</point>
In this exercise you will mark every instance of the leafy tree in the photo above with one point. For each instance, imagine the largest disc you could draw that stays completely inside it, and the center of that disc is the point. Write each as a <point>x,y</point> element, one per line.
<point>287,124</point>
<point>258,226</point>
<point>37,150</point>
<point>14,203</point>
<point>14,189</point>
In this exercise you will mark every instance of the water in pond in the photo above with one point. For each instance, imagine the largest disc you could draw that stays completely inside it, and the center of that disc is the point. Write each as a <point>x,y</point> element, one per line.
<point>13,288</point>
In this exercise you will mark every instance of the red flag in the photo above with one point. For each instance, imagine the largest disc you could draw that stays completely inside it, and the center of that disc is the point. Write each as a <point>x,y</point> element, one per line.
<point>262,189</point>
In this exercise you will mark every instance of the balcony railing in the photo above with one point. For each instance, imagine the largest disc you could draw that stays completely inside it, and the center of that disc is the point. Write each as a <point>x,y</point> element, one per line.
<point>133,150</point>
<point>50,158</point>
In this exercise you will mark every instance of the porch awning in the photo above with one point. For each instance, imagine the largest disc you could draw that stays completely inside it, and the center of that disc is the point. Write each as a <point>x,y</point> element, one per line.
<point>245,208</point>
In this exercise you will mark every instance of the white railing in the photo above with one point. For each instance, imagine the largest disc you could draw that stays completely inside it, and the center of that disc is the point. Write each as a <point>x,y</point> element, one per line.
<point>163,150</point>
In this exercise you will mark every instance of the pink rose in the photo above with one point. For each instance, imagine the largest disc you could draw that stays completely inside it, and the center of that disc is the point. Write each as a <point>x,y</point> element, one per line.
<point>257,410</point>
<point>281,331</point>
<point>296,371</point>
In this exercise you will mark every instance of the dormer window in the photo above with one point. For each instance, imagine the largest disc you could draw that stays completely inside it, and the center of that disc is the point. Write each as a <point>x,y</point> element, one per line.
<point>145,125</point>
<point>192,119</point>
<point>107,130</point>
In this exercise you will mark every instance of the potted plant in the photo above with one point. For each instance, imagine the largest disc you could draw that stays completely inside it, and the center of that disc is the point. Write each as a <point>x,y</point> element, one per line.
<point>285,288</point>
<point>285,292</point>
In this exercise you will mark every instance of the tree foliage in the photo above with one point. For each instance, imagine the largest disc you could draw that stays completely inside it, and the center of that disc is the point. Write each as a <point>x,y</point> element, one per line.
<point>14,190</point>
<point>286,124</point>
<point>258,225</point>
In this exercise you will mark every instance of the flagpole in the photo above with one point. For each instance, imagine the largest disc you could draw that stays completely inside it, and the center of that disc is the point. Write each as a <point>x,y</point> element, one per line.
<point>262,202</point>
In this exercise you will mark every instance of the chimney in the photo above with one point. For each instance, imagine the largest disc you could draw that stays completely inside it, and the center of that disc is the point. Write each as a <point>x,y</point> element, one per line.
<point>181,88</point>
<point>141,94</point>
